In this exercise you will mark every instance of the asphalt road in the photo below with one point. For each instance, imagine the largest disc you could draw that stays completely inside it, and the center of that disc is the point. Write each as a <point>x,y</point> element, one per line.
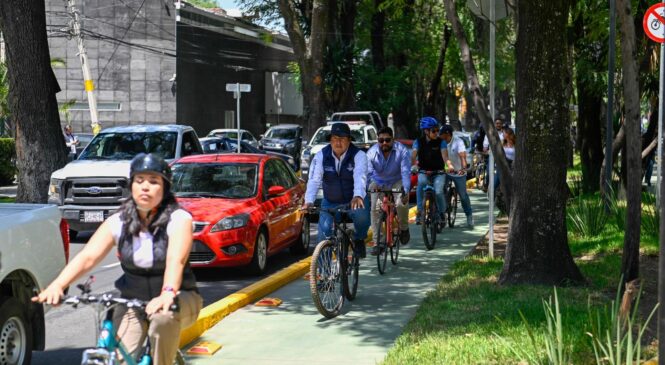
<point>69,330</point>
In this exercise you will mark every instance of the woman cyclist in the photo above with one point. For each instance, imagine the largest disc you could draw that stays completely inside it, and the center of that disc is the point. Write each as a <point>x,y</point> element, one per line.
<point>428,151</point>
<point>153,238</point>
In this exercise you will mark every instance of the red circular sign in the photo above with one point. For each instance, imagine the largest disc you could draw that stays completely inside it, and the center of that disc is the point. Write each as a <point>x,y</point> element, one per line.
<point>654,22</point>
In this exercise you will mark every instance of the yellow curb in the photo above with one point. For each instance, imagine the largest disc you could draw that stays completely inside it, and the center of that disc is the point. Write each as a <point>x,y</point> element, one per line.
<point>210,315</point>
<point>471,183</point>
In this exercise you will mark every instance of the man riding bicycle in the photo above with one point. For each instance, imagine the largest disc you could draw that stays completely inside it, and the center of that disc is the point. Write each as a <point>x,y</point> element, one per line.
<point>428,151</point>
<point>340,169</point>
<point>389,167</point>
<point>455,157</point>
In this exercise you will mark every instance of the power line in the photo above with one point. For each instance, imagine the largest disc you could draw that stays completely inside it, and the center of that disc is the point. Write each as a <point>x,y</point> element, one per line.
<point>123,37</point>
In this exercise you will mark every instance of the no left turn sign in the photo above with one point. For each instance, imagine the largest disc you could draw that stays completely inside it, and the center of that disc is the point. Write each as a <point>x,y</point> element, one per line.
<point>654,22</point>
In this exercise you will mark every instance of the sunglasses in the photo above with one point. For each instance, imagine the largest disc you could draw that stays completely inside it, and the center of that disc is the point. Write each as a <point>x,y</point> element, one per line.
<point>385,140</point>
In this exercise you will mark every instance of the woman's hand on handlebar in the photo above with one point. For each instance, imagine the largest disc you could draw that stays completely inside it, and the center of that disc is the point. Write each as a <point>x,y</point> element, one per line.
<point>52,295</point>
<point>161,303</point>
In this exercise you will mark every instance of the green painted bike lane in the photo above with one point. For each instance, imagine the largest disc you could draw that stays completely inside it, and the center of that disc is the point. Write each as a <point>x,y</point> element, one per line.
<point>295,333</point>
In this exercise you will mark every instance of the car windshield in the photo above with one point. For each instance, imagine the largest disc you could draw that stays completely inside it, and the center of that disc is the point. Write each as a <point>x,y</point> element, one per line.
<point>124,146</point>
<point>215,180</point>
<point>323,136</point>
<point>233,135</point>
<point>353,117</point>
<point>282,133</point>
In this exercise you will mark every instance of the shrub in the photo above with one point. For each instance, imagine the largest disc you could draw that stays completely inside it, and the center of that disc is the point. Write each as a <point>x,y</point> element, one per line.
<point>7,161</point>
<point>587,217</point>
<point>650,216</point>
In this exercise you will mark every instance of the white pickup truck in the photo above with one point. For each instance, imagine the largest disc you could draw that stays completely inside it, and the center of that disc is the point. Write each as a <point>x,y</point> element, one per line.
<point>34,248</point>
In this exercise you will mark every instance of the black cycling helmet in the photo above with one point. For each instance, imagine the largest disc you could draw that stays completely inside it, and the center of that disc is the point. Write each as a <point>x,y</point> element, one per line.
<point>446,129</point>
<point>148,162</point>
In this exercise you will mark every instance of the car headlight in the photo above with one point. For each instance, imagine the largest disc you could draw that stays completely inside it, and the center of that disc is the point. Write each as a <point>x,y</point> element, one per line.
<point>232,222</point>
<point>54,191</point>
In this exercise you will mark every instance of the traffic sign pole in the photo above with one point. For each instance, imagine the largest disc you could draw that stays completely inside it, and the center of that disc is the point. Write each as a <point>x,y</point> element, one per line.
<point>237,89</point>
<point>238,93</point>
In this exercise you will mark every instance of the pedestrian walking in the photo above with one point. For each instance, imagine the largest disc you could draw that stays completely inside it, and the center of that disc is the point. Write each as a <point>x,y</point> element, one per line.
<point>71,141</point>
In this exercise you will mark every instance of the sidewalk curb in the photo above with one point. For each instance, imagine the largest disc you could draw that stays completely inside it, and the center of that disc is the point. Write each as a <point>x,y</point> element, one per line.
<point>213,313</point>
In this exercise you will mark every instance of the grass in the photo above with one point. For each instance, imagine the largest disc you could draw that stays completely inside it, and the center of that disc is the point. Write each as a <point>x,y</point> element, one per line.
<point>6,200</point>
<point>469,319</point>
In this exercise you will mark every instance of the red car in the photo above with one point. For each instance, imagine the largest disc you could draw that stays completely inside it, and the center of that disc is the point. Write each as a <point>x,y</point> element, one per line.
<point>245,208</point>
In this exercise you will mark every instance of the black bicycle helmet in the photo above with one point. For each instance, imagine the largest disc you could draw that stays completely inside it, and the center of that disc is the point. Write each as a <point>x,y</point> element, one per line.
<point>446,129</point>
<point>148,162</point>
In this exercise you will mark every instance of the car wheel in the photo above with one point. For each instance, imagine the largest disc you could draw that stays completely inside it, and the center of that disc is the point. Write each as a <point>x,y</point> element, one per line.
<point>301,246</point>
<point>15,334</point>
<point>260,257</point>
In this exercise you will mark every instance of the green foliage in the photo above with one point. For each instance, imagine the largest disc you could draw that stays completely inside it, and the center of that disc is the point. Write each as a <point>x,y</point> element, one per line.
<point>7,160</point>
<point>206,4</point>
<point>586,216</point>
<point>616,340</point>
<point>650,216</point>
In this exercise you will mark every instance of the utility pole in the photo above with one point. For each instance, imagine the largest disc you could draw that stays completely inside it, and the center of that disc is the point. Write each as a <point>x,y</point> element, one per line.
<point>75,31</point>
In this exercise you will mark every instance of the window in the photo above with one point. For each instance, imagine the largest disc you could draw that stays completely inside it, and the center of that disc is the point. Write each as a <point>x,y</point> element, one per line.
<point>286,175</point>
<point>246,136</point>
<point>190,145</point>
<point>124,146</point>
<point>224,180</point>
<point>371,135</point>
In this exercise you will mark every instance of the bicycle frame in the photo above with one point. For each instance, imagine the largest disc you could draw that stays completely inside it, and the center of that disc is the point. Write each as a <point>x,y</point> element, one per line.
<point>388,207</point>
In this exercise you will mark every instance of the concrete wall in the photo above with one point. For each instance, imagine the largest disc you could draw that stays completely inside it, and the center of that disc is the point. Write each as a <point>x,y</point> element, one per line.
<point>125,73</point>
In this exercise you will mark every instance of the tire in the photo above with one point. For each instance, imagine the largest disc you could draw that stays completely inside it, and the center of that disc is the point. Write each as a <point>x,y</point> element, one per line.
<point>325,279</point>
<point>260,257</point>
<point>429,226</point>
<point>394,249</point>
<point>452,208</point>
<point>382,242</point>
<point>301,246</point>
<point>350,263</point>
<point>15,334</point>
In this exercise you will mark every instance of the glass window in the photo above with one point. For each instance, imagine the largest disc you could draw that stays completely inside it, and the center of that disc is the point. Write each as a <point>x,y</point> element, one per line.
<point>247,136</point>
<point>286,175</point>
<point>189,145</point>
<point>124,146</point>
<point>323,136</point>
<point>282,133</point>
<point>371,133</point>
<point>221,180</point>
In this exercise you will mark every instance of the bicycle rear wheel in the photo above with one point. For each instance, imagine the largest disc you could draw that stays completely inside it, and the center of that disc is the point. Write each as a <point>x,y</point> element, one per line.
<point>349,263</point>
<point>394,249</point>
<point>429,221</point>
<point>382,244</point>
<point>324,279</point>
<point>452,207</point>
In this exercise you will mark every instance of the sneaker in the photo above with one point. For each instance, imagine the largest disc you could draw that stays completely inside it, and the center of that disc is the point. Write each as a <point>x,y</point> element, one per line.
<point>376,250</point>
<point>469,221</point>
<point>404,237</point>
<point>419,219</point>
<point>359,247</point>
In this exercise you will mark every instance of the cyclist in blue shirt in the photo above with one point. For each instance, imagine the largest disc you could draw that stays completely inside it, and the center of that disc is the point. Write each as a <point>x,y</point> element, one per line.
<point>428,151</point>
<point>389,167</point>
<point>341,170</point>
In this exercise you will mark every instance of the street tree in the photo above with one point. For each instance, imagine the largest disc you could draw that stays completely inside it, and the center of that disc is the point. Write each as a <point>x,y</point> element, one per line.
<point>40,145</point>
<point>631,124</point>
<point>538,250</point>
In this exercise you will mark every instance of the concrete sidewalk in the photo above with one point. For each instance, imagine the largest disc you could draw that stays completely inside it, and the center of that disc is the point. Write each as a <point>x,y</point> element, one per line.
<point>295,333</point>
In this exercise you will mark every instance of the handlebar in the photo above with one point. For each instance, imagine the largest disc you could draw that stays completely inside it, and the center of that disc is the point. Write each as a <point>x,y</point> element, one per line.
<point>436,172</point>
<point>387,191</point>
<point>108,299</point>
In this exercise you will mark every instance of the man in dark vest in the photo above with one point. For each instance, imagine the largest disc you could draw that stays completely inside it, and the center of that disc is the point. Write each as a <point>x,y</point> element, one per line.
<point>429,151</point>
<point>340,169</point>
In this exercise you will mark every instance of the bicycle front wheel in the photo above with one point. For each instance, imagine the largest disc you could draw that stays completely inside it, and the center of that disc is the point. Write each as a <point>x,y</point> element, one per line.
<point>382,244</point>
<point>349,263</point>
<point>324,279</point>
<point>429,221</point>
<point>179,358</point>
<point>394,249</point>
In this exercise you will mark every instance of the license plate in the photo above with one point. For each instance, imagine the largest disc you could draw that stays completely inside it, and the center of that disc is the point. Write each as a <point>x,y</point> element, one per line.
<point>93,216</point>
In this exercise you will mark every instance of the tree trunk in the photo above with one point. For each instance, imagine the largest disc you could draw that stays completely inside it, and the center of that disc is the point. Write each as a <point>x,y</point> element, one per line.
<point>590,142</point>
<point>631,243</point>
<point>348,21</point>
<point>309,54</point>
<point>538,251</point>
<point>435,84</point>
<point>378,28</point>
<point>480,105</point>
<point>40,144</point>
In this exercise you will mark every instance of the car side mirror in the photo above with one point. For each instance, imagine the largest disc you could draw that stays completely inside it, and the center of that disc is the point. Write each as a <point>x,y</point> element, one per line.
<point>276,190</point>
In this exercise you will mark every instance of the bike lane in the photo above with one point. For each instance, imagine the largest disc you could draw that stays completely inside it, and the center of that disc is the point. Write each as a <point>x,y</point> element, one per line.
<point>295,333</point>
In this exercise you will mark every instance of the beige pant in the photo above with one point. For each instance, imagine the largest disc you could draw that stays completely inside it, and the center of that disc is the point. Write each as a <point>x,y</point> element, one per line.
<point>163,328</point>
<point>402,209</point>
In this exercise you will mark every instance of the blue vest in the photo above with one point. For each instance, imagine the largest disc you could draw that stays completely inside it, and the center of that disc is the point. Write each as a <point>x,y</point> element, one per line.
<point>338,187</point>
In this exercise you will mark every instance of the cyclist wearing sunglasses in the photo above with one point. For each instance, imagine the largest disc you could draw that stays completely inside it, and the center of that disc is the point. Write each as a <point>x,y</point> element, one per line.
<point>389,167</point>
<point>428,152</point>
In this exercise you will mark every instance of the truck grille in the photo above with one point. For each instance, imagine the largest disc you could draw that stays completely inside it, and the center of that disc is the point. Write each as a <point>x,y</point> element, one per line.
<point>96,191</point>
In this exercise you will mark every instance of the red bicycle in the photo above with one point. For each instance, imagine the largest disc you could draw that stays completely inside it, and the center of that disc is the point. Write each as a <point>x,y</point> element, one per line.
<point>387,236</point>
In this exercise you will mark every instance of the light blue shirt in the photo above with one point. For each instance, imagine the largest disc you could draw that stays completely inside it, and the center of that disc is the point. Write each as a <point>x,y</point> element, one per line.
<point>387,171</point>
<point>316,175</point>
